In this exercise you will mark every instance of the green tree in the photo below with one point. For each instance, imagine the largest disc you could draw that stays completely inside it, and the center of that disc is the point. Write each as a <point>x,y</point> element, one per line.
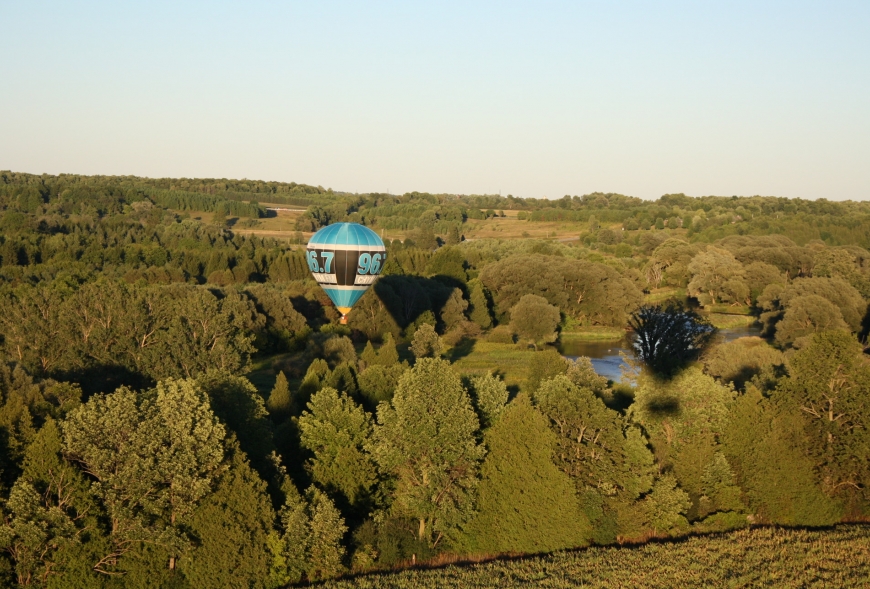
<point>153,457</point>
<point>535,320</point>
<point>238,404</point>
<point>490,395</point>
<point>665,505</point>
<point>719,489</point>
<point>280,402</point>
<point>480,304</point>
<point>765,445</point>
<point>610,463</point>
<point>377,383</point>
<point>453,311</point>
<point>387,354</point>
<point>338,350</point>
<point>368,357</point>
<point>231,526</point>
<point>64,493</point>
<point>806,315</point>
<point>743,360</point>
<point>685,419</point>
<point>544,365</point>
<point>318,371</point>
<point>718,277</point>
<point>426,441</point>
<point>343,378</point>
<point>310,543</point>
<point>776,300</point>
<point>448,261</point>
<point>426,343</point>
<point>33,532</point>
<point>525,503</point>
<point>219,217</point>
<point>828,384</point>
<point>335,430</point>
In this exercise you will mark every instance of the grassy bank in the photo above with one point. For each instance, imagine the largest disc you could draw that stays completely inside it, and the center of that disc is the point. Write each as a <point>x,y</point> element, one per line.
<point>593,334</point>
<point>764,557</point>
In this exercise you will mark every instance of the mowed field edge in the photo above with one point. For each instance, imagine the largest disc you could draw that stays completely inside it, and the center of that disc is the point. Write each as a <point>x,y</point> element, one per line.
<point>758,557</point>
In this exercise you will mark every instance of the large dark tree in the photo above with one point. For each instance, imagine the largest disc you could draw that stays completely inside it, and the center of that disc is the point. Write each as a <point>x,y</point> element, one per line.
<point>669,337</point>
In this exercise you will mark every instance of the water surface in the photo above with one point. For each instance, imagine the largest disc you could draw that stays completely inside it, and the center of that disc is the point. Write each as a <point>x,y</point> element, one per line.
<point>605,354</point>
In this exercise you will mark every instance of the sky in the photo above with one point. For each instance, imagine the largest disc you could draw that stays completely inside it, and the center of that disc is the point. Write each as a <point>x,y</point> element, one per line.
<point>534,99</point>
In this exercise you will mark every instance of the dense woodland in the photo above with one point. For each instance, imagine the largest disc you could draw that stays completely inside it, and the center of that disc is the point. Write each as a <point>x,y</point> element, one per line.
<point>135,452</point>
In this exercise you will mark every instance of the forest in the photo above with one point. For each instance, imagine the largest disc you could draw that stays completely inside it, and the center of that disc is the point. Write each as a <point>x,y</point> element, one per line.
<point>181,407</point>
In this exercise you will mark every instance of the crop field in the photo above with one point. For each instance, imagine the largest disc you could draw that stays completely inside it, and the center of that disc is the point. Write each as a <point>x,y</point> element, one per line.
<point>761,557</point>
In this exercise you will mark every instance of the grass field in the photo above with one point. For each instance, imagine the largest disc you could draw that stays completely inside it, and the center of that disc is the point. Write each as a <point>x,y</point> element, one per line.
<point>763,557</point>
<point>508,360</point>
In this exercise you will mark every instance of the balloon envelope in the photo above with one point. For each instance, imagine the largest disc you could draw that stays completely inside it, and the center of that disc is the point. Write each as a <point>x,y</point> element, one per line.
<point>345,259</point>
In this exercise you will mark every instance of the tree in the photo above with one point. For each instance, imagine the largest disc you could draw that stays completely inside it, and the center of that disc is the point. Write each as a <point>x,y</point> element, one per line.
<point>310,545</point>
<point>426,343</point>
<point>684,417</point>
<point>426,441</point>
<point>238,404</point>
<point>777,299</point>
<point>448,261</point>
<point>219,217</point>
<point>743,360</point>
<point>335,430</point>
<point>33,532</point>
<point>453,311</point>
<point>828,384</point>
<point>338,350</point>
<point>665,505</point>
<point>587,291</point>
<point>667,338</point>
<point>231,526</point>
<point>38,524</point>
<point>806,315</point>
<point>609,463</point>
<point>153,456</point>
<point>490,395</point>
<point>279,402</point>
<point>765,444</point>
<point>368,357</point>
<point>377,383</point>
<point>480,304</point>
<point>545,365</point>
<point>525,504</point>
<point>535,320</point>
<point>717,276</point>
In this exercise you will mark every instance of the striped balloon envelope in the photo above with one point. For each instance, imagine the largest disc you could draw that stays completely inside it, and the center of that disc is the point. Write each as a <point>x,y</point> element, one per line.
<point>345,259</point>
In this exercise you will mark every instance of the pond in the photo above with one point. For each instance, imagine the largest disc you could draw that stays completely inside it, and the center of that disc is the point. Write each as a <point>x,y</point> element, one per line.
<point>605,354</point>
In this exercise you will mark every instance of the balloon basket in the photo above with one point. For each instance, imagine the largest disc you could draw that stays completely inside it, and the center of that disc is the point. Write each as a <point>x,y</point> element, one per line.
<point>343,320</point>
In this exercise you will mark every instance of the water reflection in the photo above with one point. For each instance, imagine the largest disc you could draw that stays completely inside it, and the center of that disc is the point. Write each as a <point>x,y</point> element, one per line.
<point>605,355</point>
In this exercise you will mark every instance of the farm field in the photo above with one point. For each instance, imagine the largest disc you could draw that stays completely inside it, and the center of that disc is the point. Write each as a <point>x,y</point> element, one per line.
<point>761,557</point>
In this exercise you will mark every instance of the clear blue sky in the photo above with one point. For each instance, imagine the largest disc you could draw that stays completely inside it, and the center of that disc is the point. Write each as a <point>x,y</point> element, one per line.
<point>529,98</point>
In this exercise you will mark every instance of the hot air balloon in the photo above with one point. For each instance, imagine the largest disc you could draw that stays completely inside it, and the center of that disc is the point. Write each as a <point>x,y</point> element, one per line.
<point>345,259</point>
